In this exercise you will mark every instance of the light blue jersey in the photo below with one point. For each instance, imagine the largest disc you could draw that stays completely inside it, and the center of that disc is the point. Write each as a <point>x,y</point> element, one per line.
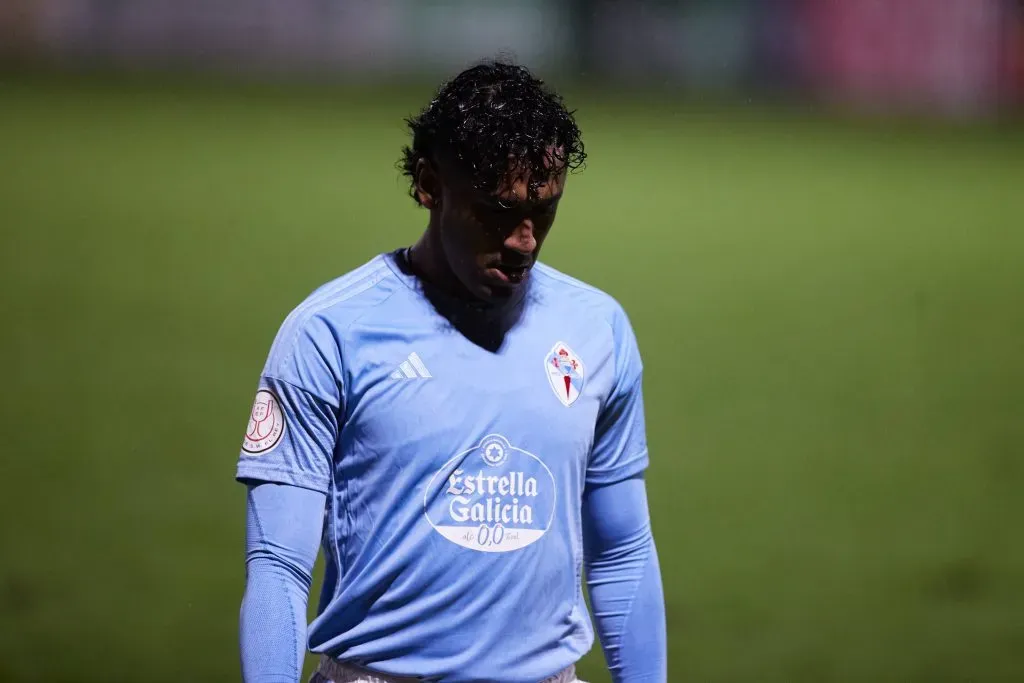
<point>454,474</point>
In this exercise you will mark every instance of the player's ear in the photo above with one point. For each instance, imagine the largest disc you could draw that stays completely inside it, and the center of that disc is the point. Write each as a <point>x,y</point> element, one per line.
<point>428,186</point>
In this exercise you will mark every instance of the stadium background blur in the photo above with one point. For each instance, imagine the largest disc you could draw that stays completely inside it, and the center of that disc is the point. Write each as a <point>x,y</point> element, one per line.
<point>811,210</point>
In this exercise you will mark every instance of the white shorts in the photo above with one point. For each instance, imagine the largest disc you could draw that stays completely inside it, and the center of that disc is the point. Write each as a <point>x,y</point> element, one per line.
<point>333,671</point>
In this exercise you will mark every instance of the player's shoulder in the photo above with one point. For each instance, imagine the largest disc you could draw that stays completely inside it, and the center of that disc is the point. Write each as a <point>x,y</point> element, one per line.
<point>318,321</point>
<point>587,303</point>
<point>338,302</point>
<point>581,295</point>
<point>364,286</point>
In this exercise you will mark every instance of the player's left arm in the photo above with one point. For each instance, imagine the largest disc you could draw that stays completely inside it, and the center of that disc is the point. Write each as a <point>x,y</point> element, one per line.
<point>623,574</point>
<point>286,464</point>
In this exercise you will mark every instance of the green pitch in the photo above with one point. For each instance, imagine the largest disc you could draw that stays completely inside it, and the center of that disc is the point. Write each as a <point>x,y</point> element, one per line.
<point>832,318</point>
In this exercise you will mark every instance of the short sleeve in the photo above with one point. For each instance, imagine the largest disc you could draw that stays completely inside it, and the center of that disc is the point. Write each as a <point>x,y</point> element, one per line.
<point>294,422</point>
<point>620,437</point>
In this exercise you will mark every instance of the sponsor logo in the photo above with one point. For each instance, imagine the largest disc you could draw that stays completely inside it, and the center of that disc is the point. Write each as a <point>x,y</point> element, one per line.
<point>493,497</point>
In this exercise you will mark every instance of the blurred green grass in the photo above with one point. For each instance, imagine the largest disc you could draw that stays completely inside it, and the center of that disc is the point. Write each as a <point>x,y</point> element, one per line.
<point>831,314</point>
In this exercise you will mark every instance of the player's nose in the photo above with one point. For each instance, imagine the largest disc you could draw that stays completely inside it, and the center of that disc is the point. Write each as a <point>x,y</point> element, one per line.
<point>522,239</point>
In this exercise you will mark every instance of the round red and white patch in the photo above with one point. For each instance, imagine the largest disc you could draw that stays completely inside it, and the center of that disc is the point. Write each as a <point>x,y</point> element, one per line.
<point>266,424</point>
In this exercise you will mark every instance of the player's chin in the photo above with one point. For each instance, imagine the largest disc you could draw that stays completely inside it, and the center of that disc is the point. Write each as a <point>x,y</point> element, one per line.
<point>499,292</point>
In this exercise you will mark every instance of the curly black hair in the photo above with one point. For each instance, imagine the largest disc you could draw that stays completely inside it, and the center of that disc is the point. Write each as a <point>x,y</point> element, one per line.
<point>491,113</point>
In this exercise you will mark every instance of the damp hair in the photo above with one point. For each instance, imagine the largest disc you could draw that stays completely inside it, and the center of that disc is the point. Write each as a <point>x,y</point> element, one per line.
<point>490,118</point>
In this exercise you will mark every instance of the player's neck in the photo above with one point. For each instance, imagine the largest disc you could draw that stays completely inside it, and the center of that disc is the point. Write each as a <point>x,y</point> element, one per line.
<point>428,263</point>
<point>482,324</point>
<point>430,266</point>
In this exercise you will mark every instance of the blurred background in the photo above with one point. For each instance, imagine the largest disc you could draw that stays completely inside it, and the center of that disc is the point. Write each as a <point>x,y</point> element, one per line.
<point>812,211</point>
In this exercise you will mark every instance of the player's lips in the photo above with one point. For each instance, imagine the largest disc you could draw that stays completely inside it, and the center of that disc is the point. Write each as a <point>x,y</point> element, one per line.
<point>509,275</point>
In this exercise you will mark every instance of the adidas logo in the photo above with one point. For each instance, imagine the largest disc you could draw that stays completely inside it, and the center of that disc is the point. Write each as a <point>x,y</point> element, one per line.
<point>413,368</point>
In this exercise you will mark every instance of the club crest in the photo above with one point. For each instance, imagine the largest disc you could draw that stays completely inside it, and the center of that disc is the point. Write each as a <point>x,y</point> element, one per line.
<point>565,373</point>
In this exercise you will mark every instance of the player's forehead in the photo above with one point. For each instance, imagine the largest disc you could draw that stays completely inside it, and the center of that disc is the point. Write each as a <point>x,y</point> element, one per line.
<point>521,182</point>
<point>518,187</point>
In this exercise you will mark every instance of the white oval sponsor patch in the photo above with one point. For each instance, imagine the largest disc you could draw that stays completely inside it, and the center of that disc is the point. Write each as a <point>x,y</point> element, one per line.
<point>493,498</point>
<point>266,424</point>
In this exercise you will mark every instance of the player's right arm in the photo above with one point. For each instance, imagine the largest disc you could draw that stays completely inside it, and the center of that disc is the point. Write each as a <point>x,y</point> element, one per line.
<point>286,462</point>
<point>281,542</point>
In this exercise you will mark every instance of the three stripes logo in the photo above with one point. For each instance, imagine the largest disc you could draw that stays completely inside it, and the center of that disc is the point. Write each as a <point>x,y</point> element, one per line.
<point>412,368</point>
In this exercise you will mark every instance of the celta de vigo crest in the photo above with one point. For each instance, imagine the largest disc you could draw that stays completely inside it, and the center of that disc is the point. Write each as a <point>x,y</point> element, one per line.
<point>565,373</point>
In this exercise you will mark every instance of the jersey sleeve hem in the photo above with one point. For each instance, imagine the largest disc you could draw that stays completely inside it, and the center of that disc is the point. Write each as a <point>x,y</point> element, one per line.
<point>332,403</point>
<point>632,467</point>
<point>275,475</point>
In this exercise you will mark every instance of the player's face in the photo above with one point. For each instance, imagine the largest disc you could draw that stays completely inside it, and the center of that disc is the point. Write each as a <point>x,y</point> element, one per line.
<point>492,240</point>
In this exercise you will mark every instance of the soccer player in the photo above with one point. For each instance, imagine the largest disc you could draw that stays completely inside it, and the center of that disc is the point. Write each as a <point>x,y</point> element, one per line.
<point>461,428</point>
